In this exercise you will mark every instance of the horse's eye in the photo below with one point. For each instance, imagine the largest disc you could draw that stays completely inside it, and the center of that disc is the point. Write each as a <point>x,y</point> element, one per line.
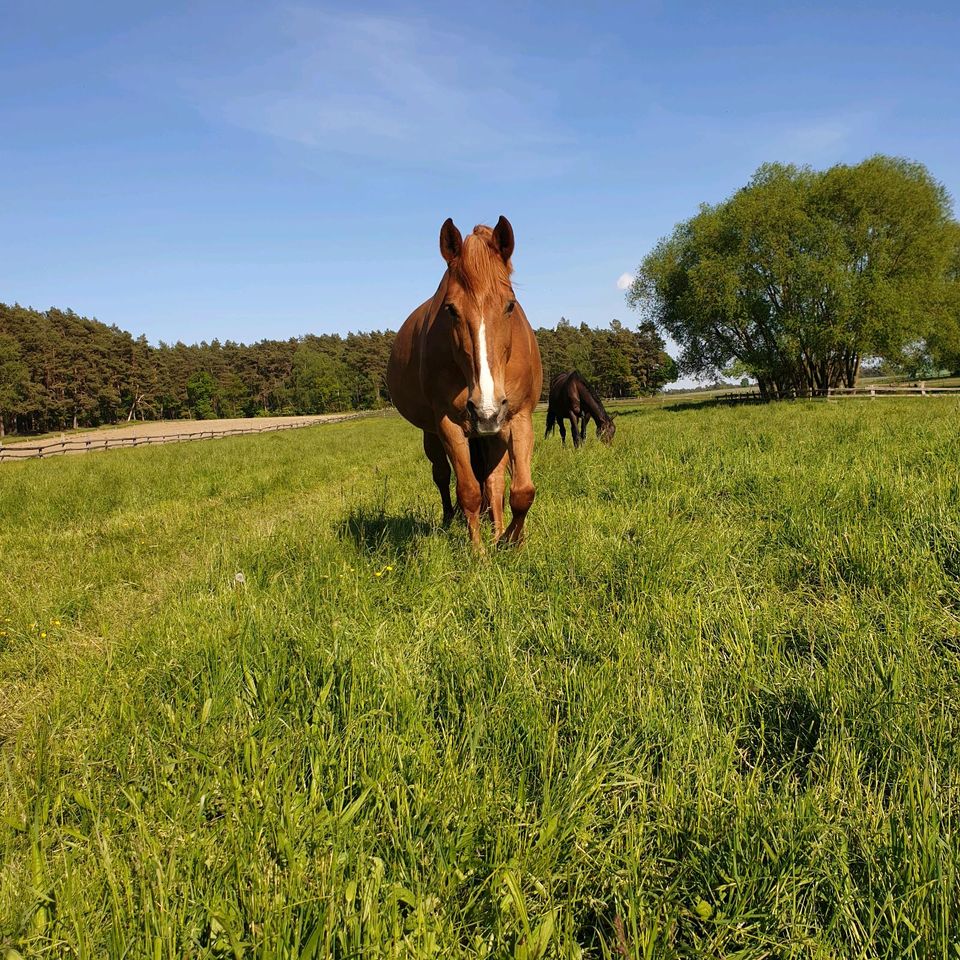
<point>452,310</point>
<point>510,305</point>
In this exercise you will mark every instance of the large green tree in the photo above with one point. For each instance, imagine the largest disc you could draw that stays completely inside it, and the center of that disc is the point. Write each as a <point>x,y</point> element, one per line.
<point>942,343</point>
<point>801,274</point>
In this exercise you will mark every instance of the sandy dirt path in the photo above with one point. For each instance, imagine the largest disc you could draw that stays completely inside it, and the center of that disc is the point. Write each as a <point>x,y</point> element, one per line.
<point>128,434</point>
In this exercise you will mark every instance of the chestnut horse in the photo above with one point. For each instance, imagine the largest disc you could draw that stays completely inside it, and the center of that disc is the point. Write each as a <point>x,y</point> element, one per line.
<point>465,369</point>
<point>572,398</point>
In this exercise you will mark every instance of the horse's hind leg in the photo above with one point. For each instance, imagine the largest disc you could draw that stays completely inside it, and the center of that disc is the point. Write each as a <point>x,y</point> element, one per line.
<point>433,448</point>
<point>478,463</point>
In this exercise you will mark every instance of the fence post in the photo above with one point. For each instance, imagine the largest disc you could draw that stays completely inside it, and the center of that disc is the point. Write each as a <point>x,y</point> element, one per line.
<point>923,388</point>
<point>873,393</point>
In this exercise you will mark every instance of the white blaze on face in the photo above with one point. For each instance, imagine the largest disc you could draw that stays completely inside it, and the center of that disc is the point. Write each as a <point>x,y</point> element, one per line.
<point>488,403</point>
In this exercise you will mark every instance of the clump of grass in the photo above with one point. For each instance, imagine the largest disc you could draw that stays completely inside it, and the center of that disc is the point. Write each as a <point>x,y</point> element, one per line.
<point>709,710</point>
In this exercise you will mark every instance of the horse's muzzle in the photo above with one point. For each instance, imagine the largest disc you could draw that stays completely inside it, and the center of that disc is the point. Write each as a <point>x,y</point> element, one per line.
<point>486,426</point>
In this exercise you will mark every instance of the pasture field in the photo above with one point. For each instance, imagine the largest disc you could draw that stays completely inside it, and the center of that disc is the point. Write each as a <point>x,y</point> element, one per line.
<point>254,702</point>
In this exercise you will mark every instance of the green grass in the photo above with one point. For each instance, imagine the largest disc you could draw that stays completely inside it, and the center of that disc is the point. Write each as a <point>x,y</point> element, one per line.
<point>710,710</point>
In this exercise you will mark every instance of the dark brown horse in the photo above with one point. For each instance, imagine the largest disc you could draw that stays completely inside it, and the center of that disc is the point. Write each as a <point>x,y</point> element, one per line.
<point>465,369</point>
<point>571,398</point>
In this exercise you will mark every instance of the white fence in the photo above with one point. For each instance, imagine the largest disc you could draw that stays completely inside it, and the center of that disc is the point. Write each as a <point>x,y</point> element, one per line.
<point>841,393</point>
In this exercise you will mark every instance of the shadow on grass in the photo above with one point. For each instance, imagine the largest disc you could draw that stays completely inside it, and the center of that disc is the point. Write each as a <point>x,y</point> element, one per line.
<point>372,530</point>
<point>677,406</point>
<point>632,412</point>
<point>683,406</point>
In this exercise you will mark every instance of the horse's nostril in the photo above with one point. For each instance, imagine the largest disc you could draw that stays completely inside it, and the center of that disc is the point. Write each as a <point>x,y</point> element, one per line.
<point>503,402</point>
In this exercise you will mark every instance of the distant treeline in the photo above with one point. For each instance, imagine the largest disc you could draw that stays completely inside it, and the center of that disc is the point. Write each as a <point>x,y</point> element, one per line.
<point>60,370</point>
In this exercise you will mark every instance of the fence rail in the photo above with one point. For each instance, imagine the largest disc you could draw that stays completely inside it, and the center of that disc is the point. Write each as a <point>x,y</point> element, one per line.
<point>841,393</point>
<point>78,444</point>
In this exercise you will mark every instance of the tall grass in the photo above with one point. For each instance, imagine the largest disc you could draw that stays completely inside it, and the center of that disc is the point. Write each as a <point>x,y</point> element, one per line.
<point>255,702</point>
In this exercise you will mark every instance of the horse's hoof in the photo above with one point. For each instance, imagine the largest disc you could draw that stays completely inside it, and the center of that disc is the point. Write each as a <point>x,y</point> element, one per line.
<point>512,537</point>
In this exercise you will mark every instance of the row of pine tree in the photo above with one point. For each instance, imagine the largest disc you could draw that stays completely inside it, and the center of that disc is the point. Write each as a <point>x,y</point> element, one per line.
<point>59,370</point>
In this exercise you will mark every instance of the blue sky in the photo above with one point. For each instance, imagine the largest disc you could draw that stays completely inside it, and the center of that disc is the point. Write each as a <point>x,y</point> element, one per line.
<point>248,170</point>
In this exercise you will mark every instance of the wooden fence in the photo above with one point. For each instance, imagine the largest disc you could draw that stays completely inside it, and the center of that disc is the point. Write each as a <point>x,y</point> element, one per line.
<point>841,393</point>
<point>78,444</point>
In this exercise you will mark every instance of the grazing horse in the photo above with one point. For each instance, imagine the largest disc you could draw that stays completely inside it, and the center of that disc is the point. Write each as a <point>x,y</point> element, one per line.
<point>465,369</point>
<point>571,398</point>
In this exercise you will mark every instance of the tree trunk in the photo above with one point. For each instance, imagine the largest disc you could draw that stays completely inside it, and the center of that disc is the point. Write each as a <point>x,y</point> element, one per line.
<point>852,370</point>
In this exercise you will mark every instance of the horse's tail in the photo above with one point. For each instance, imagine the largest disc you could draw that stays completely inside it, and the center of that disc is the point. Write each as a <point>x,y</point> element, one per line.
<point>551,421</point>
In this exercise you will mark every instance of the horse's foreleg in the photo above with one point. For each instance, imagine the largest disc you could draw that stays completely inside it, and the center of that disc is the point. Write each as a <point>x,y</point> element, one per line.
<point>573,430</point>
<point>522,490</point>
<point>495,482</point>
<point>563,431</point>
<point>468,488</point>
<point>433,448</point>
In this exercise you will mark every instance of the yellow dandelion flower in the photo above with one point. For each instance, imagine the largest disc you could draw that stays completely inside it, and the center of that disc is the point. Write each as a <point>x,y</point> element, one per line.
<point>43,635</point>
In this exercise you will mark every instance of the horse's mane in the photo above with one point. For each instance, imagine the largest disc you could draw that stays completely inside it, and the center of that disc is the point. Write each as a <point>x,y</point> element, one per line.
<point>480,266</point>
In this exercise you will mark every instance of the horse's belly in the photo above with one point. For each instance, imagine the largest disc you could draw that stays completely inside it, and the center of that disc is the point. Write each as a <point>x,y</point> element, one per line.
<point>418,414</point>
<point>404,383</point>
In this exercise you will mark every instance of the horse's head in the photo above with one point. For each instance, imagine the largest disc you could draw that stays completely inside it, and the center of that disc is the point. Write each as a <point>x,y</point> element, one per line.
<point>606,431</point>
<point>477,302</point>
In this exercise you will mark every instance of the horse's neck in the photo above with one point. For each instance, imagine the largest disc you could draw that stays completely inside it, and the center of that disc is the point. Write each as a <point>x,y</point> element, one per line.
<point>587,399</point>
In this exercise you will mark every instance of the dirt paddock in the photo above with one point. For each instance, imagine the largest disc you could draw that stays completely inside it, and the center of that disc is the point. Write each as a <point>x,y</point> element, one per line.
<point>160,431</point>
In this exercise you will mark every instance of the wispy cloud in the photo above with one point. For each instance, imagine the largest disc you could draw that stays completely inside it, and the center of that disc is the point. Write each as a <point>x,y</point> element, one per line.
<point>824,138</point>
<point>624,281</point>
<point>791,135</point>
<point>360,84</point>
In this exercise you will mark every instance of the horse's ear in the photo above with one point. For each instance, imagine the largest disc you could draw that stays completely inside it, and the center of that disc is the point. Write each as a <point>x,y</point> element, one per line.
<point>503,238</point>
<point>451,243</point>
